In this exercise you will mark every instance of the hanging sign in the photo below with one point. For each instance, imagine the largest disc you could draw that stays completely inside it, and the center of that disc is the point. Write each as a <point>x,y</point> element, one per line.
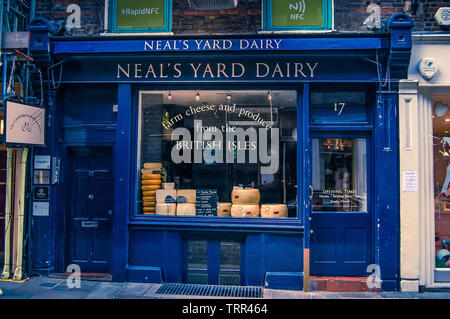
<point>25,124</point>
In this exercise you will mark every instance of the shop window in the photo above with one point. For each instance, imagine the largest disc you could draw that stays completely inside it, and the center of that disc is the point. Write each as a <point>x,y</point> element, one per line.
<point>339,177</point>
<point>291,15</point>
<point>140,15</point>
<point>217,153</point>
<point>441,142</point>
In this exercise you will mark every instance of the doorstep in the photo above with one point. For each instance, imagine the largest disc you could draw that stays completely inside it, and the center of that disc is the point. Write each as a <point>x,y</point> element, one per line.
<point>89,276</point>
<point>340,284</point>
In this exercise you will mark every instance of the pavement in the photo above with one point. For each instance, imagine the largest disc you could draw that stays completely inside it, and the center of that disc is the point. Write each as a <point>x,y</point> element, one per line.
<point>52,288</point>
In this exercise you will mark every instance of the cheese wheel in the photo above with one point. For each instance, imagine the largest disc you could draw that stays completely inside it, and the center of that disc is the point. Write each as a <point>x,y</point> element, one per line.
<point>148,209</point>
<point>274,210</point>
<point>166,209</point>
<point>186,209</point>
<point>151,182</point>
<point>152,176</point>
<point>149,204</point>
<point>150,171</point>
<point>245,196</point>
<point>245,210</point>
<point>148,213</point>
<point>149,198</point>
<point>149,193</point>
<point>150,187</point>
<point>155,166</point>
<point>224,209</point>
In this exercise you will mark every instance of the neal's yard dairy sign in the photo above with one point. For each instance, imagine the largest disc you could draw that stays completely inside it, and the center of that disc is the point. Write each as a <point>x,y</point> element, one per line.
<point>219,70</point>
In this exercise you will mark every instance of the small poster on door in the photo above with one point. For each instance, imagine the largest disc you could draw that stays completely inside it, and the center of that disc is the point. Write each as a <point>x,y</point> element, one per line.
<point>41,208</point>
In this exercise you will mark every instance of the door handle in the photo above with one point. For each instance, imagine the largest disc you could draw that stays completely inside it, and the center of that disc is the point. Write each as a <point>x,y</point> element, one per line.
<point>91,196</point>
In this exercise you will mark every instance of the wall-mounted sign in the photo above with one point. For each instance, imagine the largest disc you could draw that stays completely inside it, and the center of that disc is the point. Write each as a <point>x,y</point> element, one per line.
<point>410,181</point>
<point>41,208</point>
<point>442,17</point>
<point>140,14</point>
<point>41,177</point>
<point>427,67</point>
<point>41,193</point>
<point>25,124</point>
<point>42,161</point>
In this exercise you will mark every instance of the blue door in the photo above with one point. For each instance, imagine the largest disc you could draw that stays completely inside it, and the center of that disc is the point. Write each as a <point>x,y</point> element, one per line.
<point>91,203</point>
<point>340,224</point>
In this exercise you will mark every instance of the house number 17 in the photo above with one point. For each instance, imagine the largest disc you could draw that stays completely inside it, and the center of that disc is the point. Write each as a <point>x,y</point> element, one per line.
<point>339,106</point>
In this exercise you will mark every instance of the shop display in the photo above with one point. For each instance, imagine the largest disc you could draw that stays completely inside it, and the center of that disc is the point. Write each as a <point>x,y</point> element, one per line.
<point>166,209</point>
<point>150,182</point>
<point>245,210</point>
<point>186,196</point>
<point>245,196</point>
<point>164,196</point>
<point>274,210</point>
<point>224,209</point>
<point>186,209</point>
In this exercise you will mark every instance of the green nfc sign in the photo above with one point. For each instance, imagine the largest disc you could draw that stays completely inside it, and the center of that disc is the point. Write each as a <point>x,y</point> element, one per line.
<point>140,14</point>
<point>298,14</point>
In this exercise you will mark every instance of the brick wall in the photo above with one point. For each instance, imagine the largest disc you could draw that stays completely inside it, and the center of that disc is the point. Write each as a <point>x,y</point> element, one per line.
<point>349,15</point>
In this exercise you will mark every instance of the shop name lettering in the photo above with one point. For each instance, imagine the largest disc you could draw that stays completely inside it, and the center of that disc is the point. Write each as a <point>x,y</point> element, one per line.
<point>216,70</point>
<point>206,45</point>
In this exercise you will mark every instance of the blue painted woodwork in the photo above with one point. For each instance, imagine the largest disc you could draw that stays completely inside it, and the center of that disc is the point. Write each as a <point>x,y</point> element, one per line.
<point>152,249</point>
<point>224,44</point>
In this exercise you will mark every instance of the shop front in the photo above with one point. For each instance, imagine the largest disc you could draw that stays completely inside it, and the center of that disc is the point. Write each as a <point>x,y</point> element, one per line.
<point>227,160</point>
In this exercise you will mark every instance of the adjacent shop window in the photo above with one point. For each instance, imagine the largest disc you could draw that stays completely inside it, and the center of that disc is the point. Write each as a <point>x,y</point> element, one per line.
<point>279,15</point>
<point>441,139</point>
<point>339,174</point>
<point>140,15</point>
<point>225,153</point>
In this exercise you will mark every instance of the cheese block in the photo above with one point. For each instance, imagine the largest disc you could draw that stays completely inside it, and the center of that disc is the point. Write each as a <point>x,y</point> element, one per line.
<point>168,185</point>
<point>186,209</point>
<point>166,196</point>
<point>149,193</point>
<point>149,198</point>
<point>245,210</point>
<point>274,210</point>
<point>166,209</point>
<point>223,209</point>
<point>150,187</point>
<point>152,176</point>
<point>154,166</point>
<point>186,196</point>
<point>151,182</point>
<point>245,196</point>
<point>145,171</point>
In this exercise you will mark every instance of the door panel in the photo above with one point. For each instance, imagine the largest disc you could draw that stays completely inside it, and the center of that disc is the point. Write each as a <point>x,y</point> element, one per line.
<point>90,209</point>
<point>340,217</point>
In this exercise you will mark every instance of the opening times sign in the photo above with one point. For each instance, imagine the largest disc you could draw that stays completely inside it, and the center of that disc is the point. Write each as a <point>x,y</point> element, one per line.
<point>140,14</point>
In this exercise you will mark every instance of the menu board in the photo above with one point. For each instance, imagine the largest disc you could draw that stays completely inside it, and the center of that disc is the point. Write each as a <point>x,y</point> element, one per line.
<point>206,202</point>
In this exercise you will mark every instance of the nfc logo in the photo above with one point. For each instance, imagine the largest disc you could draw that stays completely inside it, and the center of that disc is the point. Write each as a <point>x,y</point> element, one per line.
<point>298,6</point>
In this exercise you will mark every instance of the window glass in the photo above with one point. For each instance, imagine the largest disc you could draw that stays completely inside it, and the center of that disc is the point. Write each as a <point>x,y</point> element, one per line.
<point>338,107</point>
<point>217,153</point>
<point>339,177</point>
<point>441,138</point>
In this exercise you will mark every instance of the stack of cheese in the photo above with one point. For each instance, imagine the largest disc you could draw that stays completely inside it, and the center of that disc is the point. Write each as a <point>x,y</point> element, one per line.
<point>166,199</point>
<point>151,181</point>
<point>186,199</point>
<point>245,202</point>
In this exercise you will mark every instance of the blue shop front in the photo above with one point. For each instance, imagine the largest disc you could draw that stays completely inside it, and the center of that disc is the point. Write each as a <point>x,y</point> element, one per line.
<point>255,161</point>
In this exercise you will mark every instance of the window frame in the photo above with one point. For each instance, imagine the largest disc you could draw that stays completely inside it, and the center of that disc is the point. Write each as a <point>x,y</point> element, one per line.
<point>173,220</point>
<point>113,20</point>
<point>327,15</point>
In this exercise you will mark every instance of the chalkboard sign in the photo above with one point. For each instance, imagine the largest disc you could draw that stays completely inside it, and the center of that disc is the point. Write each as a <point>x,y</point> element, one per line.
<point>206,202</point>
